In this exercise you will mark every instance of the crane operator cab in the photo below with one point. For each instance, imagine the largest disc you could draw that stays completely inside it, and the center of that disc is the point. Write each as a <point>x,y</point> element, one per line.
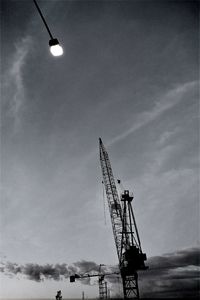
<point>72,278</point>
<point>133,260</point>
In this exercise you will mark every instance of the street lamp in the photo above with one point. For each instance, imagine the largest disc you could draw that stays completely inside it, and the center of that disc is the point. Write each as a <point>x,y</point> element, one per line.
<point>55,48</point>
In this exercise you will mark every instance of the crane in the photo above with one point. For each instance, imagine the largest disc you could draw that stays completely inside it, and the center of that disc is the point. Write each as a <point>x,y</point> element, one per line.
<point>126,236</point>
<point>103,289</point>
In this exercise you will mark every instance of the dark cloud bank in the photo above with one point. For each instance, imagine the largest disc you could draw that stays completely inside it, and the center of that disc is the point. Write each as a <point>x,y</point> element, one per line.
<point>173,275</point>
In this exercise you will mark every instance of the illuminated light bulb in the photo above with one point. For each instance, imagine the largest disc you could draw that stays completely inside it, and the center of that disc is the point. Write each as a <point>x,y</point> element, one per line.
<point>55,48</point>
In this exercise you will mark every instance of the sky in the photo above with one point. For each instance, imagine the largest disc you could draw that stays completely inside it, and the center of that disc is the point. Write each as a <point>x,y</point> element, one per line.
<point>129,74</point>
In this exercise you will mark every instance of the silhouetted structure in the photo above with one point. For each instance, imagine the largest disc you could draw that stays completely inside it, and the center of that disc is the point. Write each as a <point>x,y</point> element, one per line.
<point>58,296</point>
<point>103,289</point>
<point>129,251</point>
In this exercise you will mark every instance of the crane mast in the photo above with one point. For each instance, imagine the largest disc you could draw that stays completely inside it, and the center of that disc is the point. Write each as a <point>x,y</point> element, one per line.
<point>128,245</point>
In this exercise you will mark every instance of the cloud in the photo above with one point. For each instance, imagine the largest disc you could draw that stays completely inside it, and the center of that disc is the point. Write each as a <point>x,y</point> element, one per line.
<point>180,258</point>
<point>56,272</point>
<point>166,102</point>
<point>170,275</point>
<point>174,275</point>
<point>165,137</point>
<point>87,266</point>
<point>36,272</point>
<point>13,81</point>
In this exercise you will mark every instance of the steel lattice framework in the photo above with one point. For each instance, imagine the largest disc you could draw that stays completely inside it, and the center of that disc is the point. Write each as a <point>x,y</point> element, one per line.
<point>103,290</point>
<point>112,196</point>
<point>131,258</point>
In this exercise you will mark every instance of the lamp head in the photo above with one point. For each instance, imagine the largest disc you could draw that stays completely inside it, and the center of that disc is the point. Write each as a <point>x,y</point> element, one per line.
<point>55,48</point>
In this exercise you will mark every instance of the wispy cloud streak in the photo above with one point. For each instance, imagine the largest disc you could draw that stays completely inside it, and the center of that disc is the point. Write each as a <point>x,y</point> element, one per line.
<point>13,81</point>
<point>166,102</point>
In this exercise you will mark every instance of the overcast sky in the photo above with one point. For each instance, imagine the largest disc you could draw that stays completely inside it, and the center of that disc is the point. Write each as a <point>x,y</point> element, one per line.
<point>129,74</point>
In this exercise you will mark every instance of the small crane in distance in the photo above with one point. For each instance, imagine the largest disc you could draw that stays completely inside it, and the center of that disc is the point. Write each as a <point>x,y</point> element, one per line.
<point>103,288</point>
